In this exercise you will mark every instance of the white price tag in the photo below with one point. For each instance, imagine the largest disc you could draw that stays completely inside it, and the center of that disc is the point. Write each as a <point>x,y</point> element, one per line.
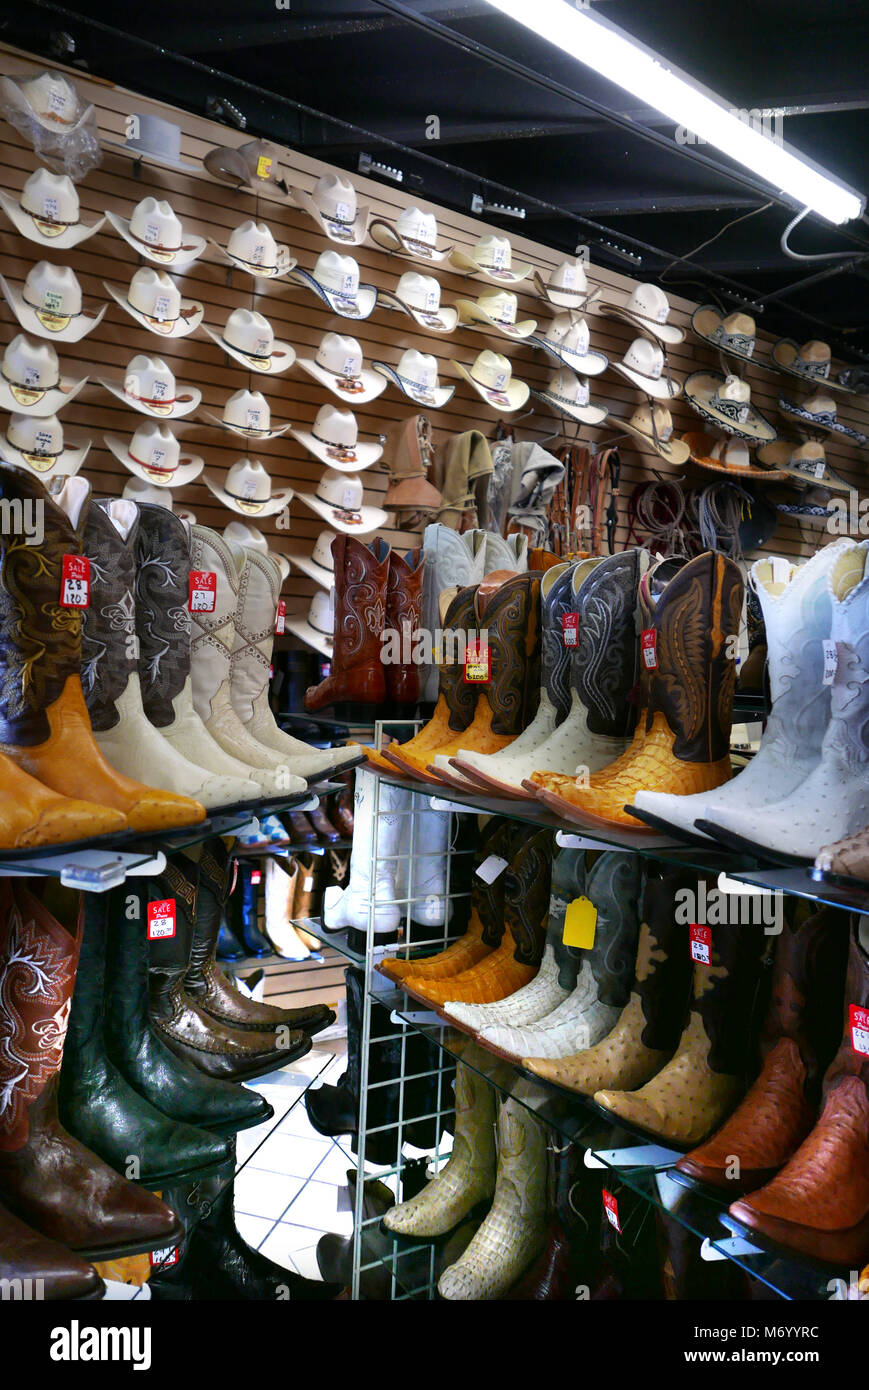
<point>252,419</point>
<point>161,307</point>
<point>342,212</point>
<point>52,300</point>
<point>350,367</point>
<point>831,661</point>
<point>492,868</point>
<point>152,231</point>
<point>50,208</point>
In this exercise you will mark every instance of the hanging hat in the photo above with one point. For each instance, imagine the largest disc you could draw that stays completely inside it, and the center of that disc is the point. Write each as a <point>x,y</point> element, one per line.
<point>48,98</point>
<point>154,454</point>
<point>653,424</point>
<point>156,233</point>
<point>252,247</point>
<point>818,413</point>
<point>414,233</point>
<point>567,340</point>
<point>567,286</point>
<point>491,257</point>
<point>803,463</point>
<point>649,309</point>
<point>335,279</point>
<point>811,362</point>
<point>320,564</point>
<point>333,438</point>
<point>37,444</point>
<point>155,140</point>
<point>155,302</point>
<point>49,303</point>
<point>491,375</point>
<point>149,386</point>
<point>317,627</point>
<point>420,297</point>
<point>255,165</point>
<point>250,339</point>
<point>726,402</point>
<point>496,309</point>
<point>248,413</point>
<point>417,377</point>
<point>30,379</point>
<point>338,500</point>
<point>570,395</point>
<point>248,490</point>
<point>736,334</point>
<point>727,455</point>
<point>338,365</point>
<point>333,205</point>
<point>47,211</point>
<point>644,364</point>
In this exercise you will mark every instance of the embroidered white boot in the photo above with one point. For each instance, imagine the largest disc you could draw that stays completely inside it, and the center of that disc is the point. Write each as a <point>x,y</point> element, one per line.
<point>378,808</point>
<point>421,879</point>
<point>450,558</point>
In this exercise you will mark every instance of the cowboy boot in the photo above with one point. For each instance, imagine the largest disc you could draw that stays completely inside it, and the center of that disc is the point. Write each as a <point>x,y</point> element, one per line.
<point>751,672</point>
<point>647,1032</point>
<point>360,614</point>
<point>211,646</point>
<point>47,1178</point>
<point>281,877</point>
<point>403,610</point>
<point>41,1268</point>
<point>686,1274</point>
<point>96,1103</point>
<point>450,559</point>
<point>381,824</point>
<point>818,1204</point>
<point>421,875</point>
<point>45,725</point>
<point>847,859</point>
<point>570,1239</point>
<point>308,891</point>
<point>245,905</point>
<point>690,622</point>
<point>799,1038</point>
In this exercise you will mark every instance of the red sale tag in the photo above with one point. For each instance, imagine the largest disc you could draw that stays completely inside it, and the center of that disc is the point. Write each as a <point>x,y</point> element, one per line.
<point>161,919</point>
<point>281,619</point>
<point>159,1259</point>
<point>859,1024</point>
<point>477,663</point>
<point>75,582</point>
<point>611,1207</point>
<point>649,648</point>
<point>203,591</point>
<point>701,943</point>
<point>256,875</point>
<point>570,629</point>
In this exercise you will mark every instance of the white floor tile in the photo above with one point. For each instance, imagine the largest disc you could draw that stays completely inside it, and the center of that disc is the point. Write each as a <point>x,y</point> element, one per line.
<point>313,1063</point>
<point>253,1229</point>
<point>248,1142</point>
<point>296,1122</point>
<point>286,1241</point>
<point>317,1206</point>
<point>334,1167</point>
<point>259,1192</point>
<point>291,1154</point>
<point>305,1262</point>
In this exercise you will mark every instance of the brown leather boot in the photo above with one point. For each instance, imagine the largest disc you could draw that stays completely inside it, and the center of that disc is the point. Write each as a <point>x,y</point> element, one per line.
<point>43,1268</point>
<point>47,1178</point>
<point>360,614</point>
<point>403,613</point>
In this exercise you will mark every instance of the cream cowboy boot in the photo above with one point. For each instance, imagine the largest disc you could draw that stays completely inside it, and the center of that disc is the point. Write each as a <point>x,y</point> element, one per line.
<point>450,558</point>
<point>351,906</point>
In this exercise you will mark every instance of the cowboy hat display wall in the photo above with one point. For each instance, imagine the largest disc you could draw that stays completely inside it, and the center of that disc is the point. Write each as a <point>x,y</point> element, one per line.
<point>728,454</point>
<point>338,366</point>
<point>817,415</point>
<point>248,413</point>
<point>154,301</point>
<point>645,366</point>
<point>37,444</point>
<point>47,211</point>
<point>811,362</point>
<point>736,334</point>
<point>156,233</point>
<point>247,489</point>
<point>567,340</point>
<point>338,499</point>
<point>334,439</point>
<point>49,304</point>
<point>648,308</point>
<point>249,338</point>
<point>31,382</point>
<point>416,376</point>
<point>570,396</point>
<point>413,234</point>
<point>317,626</point>
<point>252,248</point>
<point>154,140</point>
<point>419,296</point>
<point>335,280</point>
<point>320,564</point>
<point>491,375</point>
<point>566,286</point>
<point>154,455</point>
<point>254,165</point>
<point>653,424</point>
<point>803,463</point>
<point>498,310</point>
<point>149,386</point>
<point>333,205</point>
<point>491,258</point>
<point>726,402</point>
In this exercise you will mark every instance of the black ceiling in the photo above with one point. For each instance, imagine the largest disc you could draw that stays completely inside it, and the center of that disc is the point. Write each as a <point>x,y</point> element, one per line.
<point>522,123</point>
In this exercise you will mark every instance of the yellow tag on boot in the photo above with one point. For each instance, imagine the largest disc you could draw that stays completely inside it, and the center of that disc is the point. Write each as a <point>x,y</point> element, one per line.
<point>580,921</point>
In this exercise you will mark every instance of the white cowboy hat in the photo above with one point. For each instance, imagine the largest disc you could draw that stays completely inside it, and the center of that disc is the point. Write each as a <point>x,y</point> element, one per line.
<point>338,365</point>
<point>320,564</point>
<point>491,376</point>
<point>48,211</point>
<point>491,257</point>
<point>414,233</point>
<point>818,413</point>
<point>48,98</point>
<point>736,334</point>
<point>155,302</point>
<point>333,438</point>
<point>420,297</point>
<point>155,140</point>
<point>729,454</point>
<point>333,205</point>
<point>49,303</point>
<point>156,233</point>
<point>248,413</point>
<point>654,425</point>
<point>804,463</point>
<point>567,340</point>
<point>567,286</point>
<point>247,489</point>
<point>726,402</point>
<point>317,626</point>
<point>496,309</point>
<point>335,279</point>
<point>137,490</point>
<point>254,165</point>
<point>647,308</point>
<point>645,366</point>
<point>250,339</point>
<point>570,395</point>
<point>240,535</point>
<point>253,248</point>
<point>154,454</point>
<point>31,381</point>
<point>38,445</point>
<point>338,500</point>
<point>416,376</point>
<point>149,386</point>
<point>812,362</point>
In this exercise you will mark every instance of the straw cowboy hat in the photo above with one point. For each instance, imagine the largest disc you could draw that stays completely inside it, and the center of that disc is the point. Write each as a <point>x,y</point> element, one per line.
<point>414,233</point>
<point>818,414</point>
<point>653,424</point>
<point>137,490</point>
<point>254,165</point>
<point>154,455</point>
<point>726,402</point>
<point>338,366</point>
<point>727,455</point>
<point>333,439</point>
<point>49,304</point>
<point>247,489</point>
<point>338,500</point>
<point>149,386</point>
<point>492,258</point>
<point>416,376</point>
<point>48,212</point>
<point>30,379</point>
<point>811,362</point>
<point>317,626</point>
<point>569,395</point>
<point>736,334</point>
<point>320,564</point>
<point>567,340</point>
<point>250,339</point>
<point>335,280</point>
<point>495,309</point>
<point>248,413</point>
<point>156,233</point>
<point>803,463</point>
<point>645,366</point>
<point>37,444</point>
<point>154,140</point>
<point>648,308</point>
<point>252,248</point>
<point>420,297</point>
<point>491,375</point>
<point>48,98</point>
<point>567,286</point>
<point>333,205</point>
<point>155,302</point>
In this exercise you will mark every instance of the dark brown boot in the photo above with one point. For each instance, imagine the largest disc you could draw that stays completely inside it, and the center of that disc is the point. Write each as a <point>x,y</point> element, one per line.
<point>403,616</point>
<point>360,614</point>
<point>34,1268</point>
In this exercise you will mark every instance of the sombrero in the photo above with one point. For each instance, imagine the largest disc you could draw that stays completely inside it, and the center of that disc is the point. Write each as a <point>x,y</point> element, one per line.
<point>31,382</point>
<point>491,257</point>
<point>818,413</point>
<point>156,233</point>
<point>154,454</point>
<point>736,334</point>
<point>726,402</point>
<point>334,439</point>
<point>804,463</point>
<point>567,340</point>
<point>727,455</point>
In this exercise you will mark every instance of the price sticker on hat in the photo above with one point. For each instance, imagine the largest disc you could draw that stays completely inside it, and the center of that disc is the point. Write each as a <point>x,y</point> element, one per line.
<point>152,231</point>
<point>820,468</point>
<point>264,167</point>
<point>161,307</point>
<point>159,390</point>
<point>499,256</point>
<point>611,1207</point>
<point>258,253</point>
<point>281,618</point>
<point>568,277</point>
<point>349,368</point>
<point>342,212</point>
<point>75,582</point>
<point>570,629</point>
<point>52,301</point>
<point>57,101</point>
<point>478,663</point>
<point>161,919</point>
<point>858,1020</point>
<point>348,285</point>
<point>31,377</point>
<point>831,661</point>
<point>253,418</point>
<point>50,209</point>
<point>700,943</point>
<point>580,923</point>
<point>433,299</point>
<point>491,868</point>
<point>649,648</point>
<point>203,591</point>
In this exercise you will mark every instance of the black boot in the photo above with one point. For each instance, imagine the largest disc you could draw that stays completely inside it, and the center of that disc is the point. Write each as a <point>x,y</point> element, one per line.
<point>229,948</point>
<point>335,1253</point>
<point>245,900</point>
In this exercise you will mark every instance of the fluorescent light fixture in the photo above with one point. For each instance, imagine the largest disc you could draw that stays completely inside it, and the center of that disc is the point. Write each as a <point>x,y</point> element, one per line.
<point>636,69</point>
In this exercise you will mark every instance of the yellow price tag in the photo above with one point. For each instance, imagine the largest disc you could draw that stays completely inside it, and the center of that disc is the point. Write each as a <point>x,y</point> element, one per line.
<point>580,921</point>
<point>263,167</point>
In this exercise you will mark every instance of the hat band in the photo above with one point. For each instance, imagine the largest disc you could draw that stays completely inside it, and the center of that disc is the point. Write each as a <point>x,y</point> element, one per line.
<point>648,376</point>
<point>422,248</point>
<point>345,383</point>
<point>57,313</point>
<point>346,514</point>
<point>154,245</point>
<point>52,221</point>
<point>35,453</point>
<point>738,342</point>
<point>252,265</point>
<point>153,401</point>
<point>345,451</point>
<point>322,631</point>
<point>421,388</point>
<point>820,417</point>
<point>254,356</point>
<point>249,501</point>
<point>567,400</point>
<point>336,220</point>
<point>146,315</point>
<point>559,348</point>
<point>738,411</point>
<point>35,390</point>
<point>153,467</point>
<point>820,370</point>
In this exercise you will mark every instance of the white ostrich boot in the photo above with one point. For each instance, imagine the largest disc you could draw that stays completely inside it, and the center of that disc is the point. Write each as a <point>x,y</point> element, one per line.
<point>421,878</point>
<point>450,558</point>
<point>279,890</point>
<point>378,808</point>
<point>505,553</point>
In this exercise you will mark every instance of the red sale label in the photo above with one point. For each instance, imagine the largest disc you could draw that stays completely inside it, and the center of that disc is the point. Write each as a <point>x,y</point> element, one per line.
<point>203,591</point>
<point>256,876</point>
<point>477,663</point>
<point>75,582</point>
<point>281,618</point>
<point>858,1019</point>
<point>159,1259</point>
<point>570,629</point>
<point>649,648</point>
<point>701,943</point>
<point>161,919</point>
<point>611,1207</point>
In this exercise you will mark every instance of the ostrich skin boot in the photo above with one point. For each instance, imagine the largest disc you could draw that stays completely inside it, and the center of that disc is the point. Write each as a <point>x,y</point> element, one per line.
<point>357,674</point>
<point>44,723</point>
<point>848,859</point>
<point>47,1178</point>
<point>402,626</point>
<point>31,816</point>
<point>688,623</point>
<point>42,1268</point>
<point>452,559</point>
<point>818,1204</point>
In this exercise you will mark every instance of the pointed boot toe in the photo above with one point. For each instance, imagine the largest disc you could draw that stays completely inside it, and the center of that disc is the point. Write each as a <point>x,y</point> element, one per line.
<point>462,1284</point>
<point>157,810</point>
<point>635,1108</point>
<point>69,820</point>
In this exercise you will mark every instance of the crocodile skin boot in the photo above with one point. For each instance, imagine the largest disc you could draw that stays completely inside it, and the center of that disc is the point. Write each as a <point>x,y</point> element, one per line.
<point>402,626</point>
<point>41,1268</point>
<point>570,1242</point>
<point>357,673</point>
<point>799,1038</point>
<point>451,558</point>
<point>47,1178</point>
